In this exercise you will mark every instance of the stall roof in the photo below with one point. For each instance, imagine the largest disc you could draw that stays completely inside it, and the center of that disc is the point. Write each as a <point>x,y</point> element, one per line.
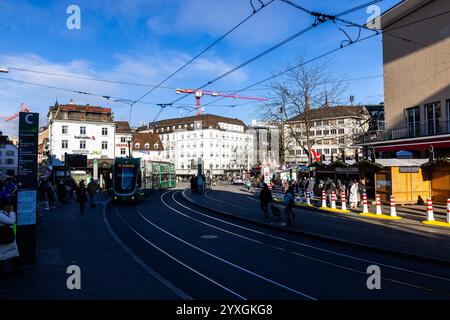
<point>401,162</point>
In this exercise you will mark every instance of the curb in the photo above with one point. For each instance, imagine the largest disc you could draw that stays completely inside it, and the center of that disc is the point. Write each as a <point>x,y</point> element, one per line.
<point>322,237</point>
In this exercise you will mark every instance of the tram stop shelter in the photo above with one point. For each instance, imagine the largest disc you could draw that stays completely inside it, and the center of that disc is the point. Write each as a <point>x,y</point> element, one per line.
<point>439,170</point>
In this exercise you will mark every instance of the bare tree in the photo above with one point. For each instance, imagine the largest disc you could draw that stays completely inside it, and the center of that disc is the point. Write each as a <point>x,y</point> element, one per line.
<point>300,90</point>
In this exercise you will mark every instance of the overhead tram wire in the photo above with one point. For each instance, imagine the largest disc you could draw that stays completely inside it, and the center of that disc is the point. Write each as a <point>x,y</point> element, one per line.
<point>320,19</point>
<point>107,97</point>
<point>326,54</point>
<point>66,75</point>
<point>255,11</point>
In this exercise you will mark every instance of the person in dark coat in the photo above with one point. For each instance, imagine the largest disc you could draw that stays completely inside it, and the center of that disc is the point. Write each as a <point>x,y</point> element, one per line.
<point>265,198</point>
<point>82,196</point>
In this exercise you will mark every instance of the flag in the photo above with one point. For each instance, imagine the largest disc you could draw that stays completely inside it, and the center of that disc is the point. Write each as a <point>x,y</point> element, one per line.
<point>315,155</point>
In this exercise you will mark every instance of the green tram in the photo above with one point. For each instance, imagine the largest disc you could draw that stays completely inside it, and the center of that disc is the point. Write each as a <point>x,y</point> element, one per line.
<point>134,178</point>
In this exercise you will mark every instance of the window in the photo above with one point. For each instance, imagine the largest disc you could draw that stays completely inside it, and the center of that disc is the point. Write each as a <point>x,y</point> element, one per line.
<point>325,122</point>
<point>64,144</point>
<point>147,146</point>
<point>412,117</point>
<point>104,145</point>
<point>298,152</point>
<point>82,130</point>
<point>9,161</point>
<point>82,144</point>
<point>156,146</point>
<point>123,151</point>
<point>318,132</point>
<point>9,153</point>
<point>334,151</point>
<point>341,121</point>
<point>433,116</point>
<point>341,131</point>
<point>123,140</point>
<point>64,129</point>
<point>341,140</point>
<point>137,145</point>
<point>341,150</point>
<point>104,131</point>
<point>326,132</point>
<point>326,151</point>
<point>318,123</point>
<point>333,131</point>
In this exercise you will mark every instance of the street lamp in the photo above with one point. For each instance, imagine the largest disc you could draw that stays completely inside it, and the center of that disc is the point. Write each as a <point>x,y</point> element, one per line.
<point>129,139</point>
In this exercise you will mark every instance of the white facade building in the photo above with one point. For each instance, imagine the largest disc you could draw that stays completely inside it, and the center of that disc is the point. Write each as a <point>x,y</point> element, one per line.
<point>221,144</point>
<point>8,157</point>
<point>85,130</point>
<point>123,134</point>
<point>331,133</point>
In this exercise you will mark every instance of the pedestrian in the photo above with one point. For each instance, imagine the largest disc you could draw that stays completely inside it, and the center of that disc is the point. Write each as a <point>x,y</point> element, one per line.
<point>50,190</point>
<point>8,246</point>
<point>354,194</point>
<point>92,191</point>
<point>82,197</point>
<point>61,190</point>
<point>311,184</point>
<point>329,188</point>
<point>289,203</point>
<point>265,198</point>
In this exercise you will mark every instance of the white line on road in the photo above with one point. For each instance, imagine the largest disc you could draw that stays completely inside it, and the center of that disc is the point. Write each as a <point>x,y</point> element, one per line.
<point>311,246</point>
<point>181,262</point>
<point>224,260</point>
<point>141,263</point>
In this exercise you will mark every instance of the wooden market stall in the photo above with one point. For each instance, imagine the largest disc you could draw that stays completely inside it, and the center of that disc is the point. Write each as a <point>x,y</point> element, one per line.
<point>439,170</point>
<point>403,178</point>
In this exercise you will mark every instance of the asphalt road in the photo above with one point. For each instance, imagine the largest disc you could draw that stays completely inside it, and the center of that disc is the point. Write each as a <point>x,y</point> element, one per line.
<point>200,255</point>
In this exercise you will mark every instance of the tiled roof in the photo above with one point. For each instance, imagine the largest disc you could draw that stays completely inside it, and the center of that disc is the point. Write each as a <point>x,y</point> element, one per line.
<point>143,138</point>
<point>324,113</point>
<point>122,127</point>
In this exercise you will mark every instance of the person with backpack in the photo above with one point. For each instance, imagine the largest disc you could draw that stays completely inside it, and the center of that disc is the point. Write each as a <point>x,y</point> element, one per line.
<point>8,246</point>
<point>265,198</point>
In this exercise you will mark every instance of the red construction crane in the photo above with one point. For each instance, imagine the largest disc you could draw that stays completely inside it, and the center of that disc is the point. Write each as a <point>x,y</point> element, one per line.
<point>15,115</point>
<point>201,93</point>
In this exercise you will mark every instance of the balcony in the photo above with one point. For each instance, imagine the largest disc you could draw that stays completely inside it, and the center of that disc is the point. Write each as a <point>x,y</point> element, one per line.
<point>424,130</point>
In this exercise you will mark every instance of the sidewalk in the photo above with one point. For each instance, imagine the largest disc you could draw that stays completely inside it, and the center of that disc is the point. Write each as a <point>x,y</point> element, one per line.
<point>64,238</point>
<point>406,236</point>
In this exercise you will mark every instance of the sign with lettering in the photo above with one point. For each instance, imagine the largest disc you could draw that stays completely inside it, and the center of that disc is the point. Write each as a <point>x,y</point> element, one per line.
<point>408,169</point>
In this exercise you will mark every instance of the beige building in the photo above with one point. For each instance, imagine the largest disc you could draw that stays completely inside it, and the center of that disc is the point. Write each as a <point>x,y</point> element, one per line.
<point>416,56</point>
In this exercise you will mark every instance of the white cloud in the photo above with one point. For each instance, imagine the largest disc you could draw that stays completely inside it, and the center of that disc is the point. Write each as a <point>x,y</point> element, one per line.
<point>141,68</point>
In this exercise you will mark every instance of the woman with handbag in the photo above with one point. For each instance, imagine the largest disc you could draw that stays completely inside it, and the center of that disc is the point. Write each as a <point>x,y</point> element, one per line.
<point>8,245</point>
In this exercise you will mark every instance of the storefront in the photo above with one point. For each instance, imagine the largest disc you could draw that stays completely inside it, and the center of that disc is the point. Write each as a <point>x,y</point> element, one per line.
<point>439,170</point>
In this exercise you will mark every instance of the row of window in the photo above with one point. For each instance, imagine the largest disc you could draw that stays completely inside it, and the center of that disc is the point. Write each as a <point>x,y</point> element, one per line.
<point>65,130</point>
<point>216,166</point>
<point>9,153</point>
<point>322,151</point>
<point>433,119</point>
<point>327,132</point>
<point>201,135</point>
<point>65,144</point>
<point>8,161</point>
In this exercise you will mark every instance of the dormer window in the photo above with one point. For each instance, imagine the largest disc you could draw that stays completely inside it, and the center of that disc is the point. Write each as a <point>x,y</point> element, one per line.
<point>137,145</point>
<point>156,146</point>
<point>147,146</point>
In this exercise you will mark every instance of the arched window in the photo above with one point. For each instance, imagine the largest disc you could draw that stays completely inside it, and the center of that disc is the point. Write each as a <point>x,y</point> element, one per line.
<point>156,146</point>
<point>147,146</point>
<point>137,145</point>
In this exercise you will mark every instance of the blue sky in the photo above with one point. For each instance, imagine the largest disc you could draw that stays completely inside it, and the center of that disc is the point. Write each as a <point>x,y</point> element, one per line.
<point>143,41</point>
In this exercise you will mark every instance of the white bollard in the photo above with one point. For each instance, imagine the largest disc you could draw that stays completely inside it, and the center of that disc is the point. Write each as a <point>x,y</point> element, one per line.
<point>448,210</point>
<point>324,200</point>
<point>393,210</point>
<point>430,214</point>
<point>333,200</point>
<point>378,204</point>
<point>343,201</point>
<point>365,208</point>
<point>308,201</point>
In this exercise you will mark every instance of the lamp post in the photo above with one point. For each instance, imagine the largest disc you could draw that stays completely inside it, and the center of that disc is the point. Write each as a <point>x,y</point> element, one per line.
<point>129,139</point>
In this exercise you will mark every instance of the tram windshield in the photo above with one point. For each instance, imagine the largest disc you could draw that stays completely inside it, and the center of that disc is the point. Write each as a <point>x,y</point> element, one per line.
<point>125,177</point>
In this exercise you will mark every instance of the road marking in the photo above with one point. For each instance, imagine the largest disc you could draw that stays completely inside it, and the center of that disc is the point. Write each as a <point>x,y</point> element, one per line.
<point>311,246</point>
<point>224,260</point>
<point>141,263</point>
<point>209,236</point>
<point>180,262</point>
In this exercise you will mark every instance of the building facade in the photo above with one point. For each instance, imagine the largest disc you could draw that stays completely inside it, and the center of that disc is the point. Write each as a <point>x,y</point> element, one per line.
<point>220,144</point>
<point>8,157</point>
<point>123,139</point>
<point>331,133</point>
<point>147,146</point>
<point>266,143</point>
<point>416,46</point>
<point>81,129</point>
